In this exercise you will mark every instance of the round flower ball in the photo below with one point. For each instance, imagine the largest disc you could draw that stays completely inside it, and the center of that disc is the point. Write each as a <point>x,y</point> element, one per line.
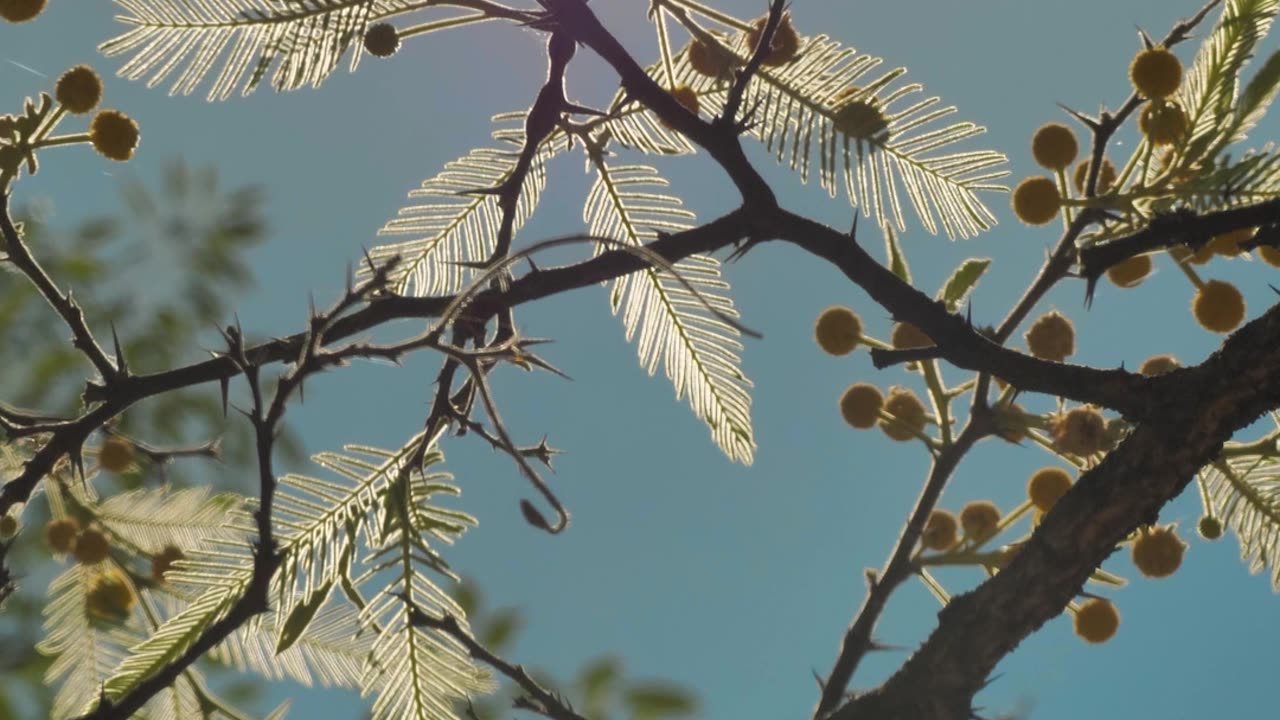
<point>79,90</point>
<point>1051,337</point>
<point>162,562</point>
<point>116,454</point>
<point>1047,486</point>
<point>838,330</point>
<point>109,599</point>
<point>114,135</point>
<point>785,45</point>
<point>859,118</point>
<point>1130,272</point>
<point>980,519</point>
<point>1218,306</point>
<point>1158,365</point>
<point>908,412</point>
<point>61,534</point>
<point>686,96</point>
<point>1209,527</point>
<point>1097,621</point>
<point>91,547</point>
<point>1081,432</point>
<point>707,60</point>
<point>8,526</point>
<point>1269,255</point>
<point>940,530</point>
<point>1228,244</point>
<point>1106,176</point>
<point>860,405</point>
<point>382,40</point>
<point>1158,553</point>
<point>16,11</point>
<point>1036,200</point>
<point>1156,73</point>
<point>1054,146</point>
<point>1163,123</point>
<point>906,336</point>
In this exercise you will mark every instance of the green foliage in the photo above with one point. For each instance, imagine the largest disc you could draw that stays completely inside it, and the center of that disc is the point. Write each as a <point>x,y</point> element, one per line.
<point>962,282</point>
<point>700,351</point>
<point>303,40</point>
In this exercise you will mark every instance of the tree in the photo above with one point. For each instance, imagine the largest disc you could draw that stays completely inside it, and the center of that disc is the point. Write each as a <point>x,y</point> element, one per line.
<point>342,571</point>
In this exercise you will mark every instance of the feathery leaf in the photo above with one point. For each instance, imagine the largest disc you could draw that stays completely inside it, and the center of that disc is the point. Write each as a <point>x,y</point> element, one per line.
<point>1246,496</point>
<point>1209,90</point>
<point>699,352</point>
<point>797,115</point>
<point>450,228</point>
<point>303,39</point>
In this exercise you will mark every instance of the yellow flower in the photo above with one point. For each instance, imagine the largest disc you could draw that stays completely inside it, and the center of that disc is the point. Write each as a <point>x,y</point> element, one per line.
<point>906,336</point>
<point>860,405</point>
<point>162,562</point>
<point>1218,306</point>
<point>1164,123</point>
<point>1158,365</point>
<point>909,413</point>
<point>1130,272</point>
<point>838,330</point>
<point>1036,200</point>
<point>785,45</point>
<point>709,61</point>
<point>1052,337</point>
<point>1047,486</point>
<point>1156,73</point>
<point>109,599</point>
<point>1106,176</point>
<point>61,534</point>
<point>382,40</point>
<point>1209,527</point>
<point>79,89</point>
<point>979,519</point>
<point>1082,431</point>
<point>1097,621</point>
<point>114,135</point>
<point>686,96</point>
<point>16,11</point>
<point>116,454</point>
<point>1158,553</point>
<point>1054,146</point>
<point>92,547</point>
<point>940,530</point>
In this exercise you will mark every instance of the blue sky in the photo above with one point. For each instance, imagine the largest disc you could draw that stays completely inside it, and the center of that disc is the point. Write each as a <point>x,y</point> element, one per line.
<point>734,580</point>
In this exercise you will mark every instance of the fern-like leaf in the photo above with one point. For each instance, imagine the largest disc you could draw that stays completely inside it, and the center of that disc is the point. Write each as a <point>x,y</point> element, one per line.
<point>449,228</point>
<point>795,110</point>
<point>418,672</point>
<point>84,653</point>
<point>1210,90</point>
<point>150,519</point>
<point>1230,183</point>
<point>698,351</point>
<point>331,652</point>
<point>303,39</point>
<point>318,520</point>
<point>1246,497</point>
<point>223,575</point>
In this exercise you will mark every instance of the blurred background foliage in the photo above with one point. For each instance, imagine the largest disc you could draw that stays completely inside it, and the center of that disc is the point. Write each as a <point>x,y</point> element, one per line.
<point>164,273</point>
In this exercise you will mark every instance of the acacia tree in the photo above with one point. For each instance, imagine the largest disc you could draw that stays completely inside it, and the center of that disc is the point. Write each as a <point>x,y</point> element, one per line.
<point>340,573</point>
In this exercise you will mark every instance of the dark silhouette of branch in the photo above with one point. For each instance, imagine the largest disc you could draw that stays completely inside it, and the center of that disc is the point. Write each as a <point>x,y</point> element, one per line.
<point>539,700</point>
<point>20,255</point>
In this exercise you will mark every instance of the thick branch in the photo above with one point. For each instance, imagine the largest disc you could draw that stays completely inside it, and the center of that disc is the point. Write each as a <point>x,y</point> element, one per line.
<point>976,630</point>
<point>858,638</point>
